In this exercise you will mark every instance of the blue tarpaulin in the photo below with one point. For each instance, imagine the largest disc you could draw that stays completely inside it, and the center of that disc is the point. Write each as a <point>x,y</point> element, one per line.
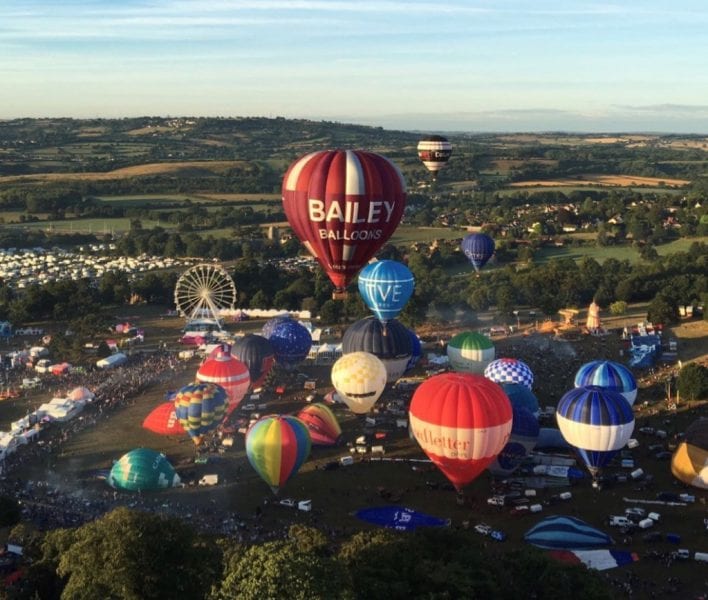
<point>397,517</point>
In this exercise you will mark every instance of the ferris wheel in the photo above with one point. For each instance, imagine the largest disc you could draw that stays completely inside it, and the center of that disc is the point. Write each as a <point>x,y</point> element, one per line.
<point>203,291</point>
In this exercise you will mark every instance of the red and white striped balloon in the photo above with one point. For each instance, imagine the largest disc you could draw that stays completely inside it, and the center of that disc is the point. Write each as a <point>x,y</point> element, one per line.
<point>229,372</point>
<point>462,421</point>
<point>343,205</point>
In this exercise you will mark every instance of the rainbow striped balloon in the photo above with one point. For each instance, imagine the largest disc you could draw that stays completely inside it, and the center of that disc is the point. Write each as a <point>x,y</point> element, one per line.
<point>200,407</point>
<point>277,446</point>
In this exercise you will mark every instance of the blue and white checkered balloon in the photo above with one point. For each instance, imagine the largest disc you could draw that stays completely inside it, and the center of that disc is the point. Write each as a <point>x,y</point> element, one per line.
<point>509,370</point>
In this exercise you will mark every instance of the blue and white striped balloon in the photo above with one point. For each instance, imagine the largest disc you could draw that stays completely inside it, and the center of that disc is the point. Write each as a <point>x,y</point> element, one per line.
<point>609,375</point>
<point>509,370</point>
<point>386,286</point>
<point>597,422</point>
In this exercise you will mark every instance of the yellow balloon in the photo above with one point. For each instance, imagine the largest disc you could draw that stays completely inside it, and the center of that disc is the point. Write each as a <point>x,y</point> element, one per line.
<point>360,379</point>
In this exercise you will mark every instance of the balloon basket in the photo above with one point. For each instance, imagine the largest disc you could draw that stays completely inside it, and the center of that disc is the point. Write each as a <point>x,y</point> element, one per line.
<point>340,295</point>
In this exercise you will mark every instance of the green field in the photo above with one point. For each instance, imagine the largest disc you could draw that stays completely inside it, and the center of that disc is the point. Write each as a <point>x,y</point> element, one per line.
<point>569,189</point>
<point>601,254</point>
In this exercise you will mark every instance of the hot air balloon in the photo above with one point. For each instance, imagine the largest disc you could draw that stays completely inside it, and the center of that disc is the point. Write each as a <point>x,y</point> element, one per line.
<point>470,352</point>
<point>434,151</point>
<point>291,343</point>
<point>323,425</point>
<point>597,422</point>
<point>200,408</point>
<point>256,352</point>
<point>478,248</point>
<point>360,379</point>
<point>520,395</point>
<point>524,434</point>
<point>163,420</point>
<point>689,463</point>
<point>270,324</point>
<point>462,422</point>
<point>227,371</point>
<point>343,205</point>
<point>276,447</point>
<point>386,286</point>
<point>416,351</point>
<point>142,469</point>
<point>391,345</point>
<point>609,375</point>
<point>509,370</point>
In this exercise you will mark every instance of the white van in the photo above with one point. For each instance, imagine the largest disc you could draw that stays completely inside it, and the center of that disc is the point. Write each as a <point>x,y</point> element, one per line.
<point>645,523</point>
<point>619,521</point>
<point>209,480</point>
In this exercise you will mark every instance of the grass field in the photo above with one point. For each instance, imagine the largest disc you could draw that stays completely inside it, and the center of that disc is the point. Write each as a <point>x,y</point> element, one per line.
<point>618,252</point>
<point>604,181</point>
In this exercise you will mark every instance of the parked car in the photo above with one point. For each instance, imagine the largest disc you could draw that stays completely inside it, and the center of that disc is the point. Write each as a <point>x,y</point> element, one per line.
<point>287,502</point>
<point>483,529</point>
<point>665,455</point>
<point>619,521</point>
<point>635,512</point>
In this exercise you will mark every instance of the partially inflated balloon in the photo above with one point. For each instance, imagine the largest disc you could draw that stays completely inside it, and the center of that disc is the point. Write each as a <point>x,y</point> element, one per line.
<point>277,446</point>
<point>462,422</point>
<point>343,205</point>
<point>163,420</point>
<point>360,379</point>
<point>478,248</point>
<point>689,463</point>
<point>523,438</point>
<point>434,151</point>
<point>323,425</point>
<point>200,407</point>
<point>142,469</point>
<point>386,286</point>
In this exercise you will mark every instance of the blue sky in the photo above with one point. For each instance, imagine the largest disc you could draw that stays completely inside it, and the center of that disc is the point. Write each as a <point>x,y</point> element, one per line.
<point>468,65</point>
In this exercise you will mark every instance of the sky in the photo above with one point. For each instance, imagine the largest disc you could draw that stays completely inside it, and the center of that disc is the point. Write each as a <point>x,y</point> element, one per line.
<point>448,65</point>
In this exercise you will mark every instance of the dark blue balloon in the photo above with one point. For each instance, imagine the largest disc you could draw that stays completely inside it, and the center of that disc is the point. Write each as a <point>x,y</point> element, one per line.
<point>291,343</point>
<point>386,286</point>
<point>478,248</point>
<point>270,324</point>
<point>416,352</point>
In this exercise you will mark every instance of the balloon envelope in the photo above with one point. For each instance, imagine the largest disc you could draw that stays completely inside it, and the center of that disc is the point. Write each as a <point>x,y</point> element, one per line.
<point>343,205</point>
<point>609,375</point>
<point>416,350</point>
<point>276,447</point>
<point>143,469</point>
<point>523,438</point>
<point>200,407</point>
<point>597,422</point>
<point>386,286</point>
<point>392,344</point>
<point>270,324</point>
<point>163,420</point>
<point>323,425</point>
<point>462,421</point>
<point>434,151</point>
<point>689,463</point>
<point>256,352</point>
<point>227,371</point>
<point>399,518</point>
<point>291,343</point>
<point>360,379</point>
<point>569,533</point>
<point>470,352</point>
<point>520,395</point>
<point>509,370</point>
<point>478,248</point>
